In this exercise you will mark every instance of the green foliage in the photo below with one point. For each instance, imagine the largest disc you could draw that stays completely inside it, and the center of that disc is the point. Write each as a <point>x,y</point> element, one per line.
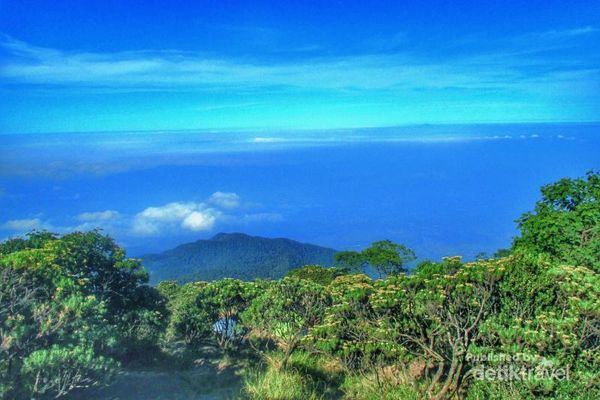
<point>448,266</point>
<point>566,222</point>
<point>551,313</point>
<point>201,312</point>
<point>168,290</point>
<point>143,323</point>
<point>33,240</point>
<point>386,257</point>
<point>223,302</point>
<point>286,311</point>
<point>188,322</point>
<point>435,319</point>
<point>316,273</point>
<point>347,322</point>
<point>349,261</point>
<point>58,370</point>
<point>67,306</point>
<point>101,267</point>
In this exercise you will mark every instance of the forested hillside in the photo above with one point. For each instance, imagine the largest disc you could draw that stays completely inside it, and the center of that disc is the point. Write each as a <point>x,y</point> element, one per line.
<point>523,324</point>
<point>234,255</point>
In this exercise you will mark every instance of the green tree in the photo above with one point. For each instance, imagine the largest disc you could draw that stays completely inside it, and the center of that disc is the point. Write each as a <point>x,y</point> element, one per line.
<point>349,261</point>
<point>286,311</point>
<point>73,297</point>
<point>58,370</point>
<point>347,324</point>
<point>437,318</point>
<point>385,256</point>
<point>223,301</point>
<point>388,258</point>
<point>188,323</point>
<point>565,223</point>
<point>316,273</point>
<point>551,313</point>
<point>43,306</point>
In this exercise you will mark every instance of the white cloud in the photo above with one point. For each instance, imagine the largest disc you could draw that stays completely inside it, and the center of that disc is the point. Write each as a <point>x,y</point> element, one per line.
<point>554,34</point>
<point>170,218</point>
<point>266,140</point>
<point>188,216</point>
<point>499,68</point>
<point>226,200</point>
<point>170,212</point>
<point>145,227</point>
<point>98,215</point>
<point>22,225</point>
<point>200,220</point>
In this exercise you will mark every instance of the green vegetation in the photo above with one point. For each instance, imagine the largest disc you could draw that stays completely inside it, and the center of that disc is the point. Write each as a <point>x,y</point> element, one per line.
<point>565,224</point>
<point>522,324</point>
<point>234,255</point>
<point>384,256</point>
<point>71,310</point>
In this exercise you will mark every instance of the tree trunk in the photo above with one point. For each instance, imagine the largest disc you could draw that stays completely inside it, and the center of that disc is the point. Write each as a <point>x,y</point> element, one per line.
<point>450,379</point>
<point>436,378</point>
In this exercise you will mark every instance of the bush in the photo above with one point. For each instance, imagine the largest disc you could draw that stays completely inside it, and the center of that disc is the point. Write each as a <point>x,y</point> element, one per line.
<point>59,370</point>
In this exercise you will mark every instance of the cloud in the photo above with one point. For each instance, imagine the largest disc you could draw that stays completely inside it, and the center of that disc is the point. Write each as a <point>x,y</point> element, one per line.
<point>98,216</point>
<point>170,212</point>
<point>225,200</point>
<point>23,225</point>
<point>566,33</point>
<point>168,219</point>
<point>150,70</point>
<point>219,208</point>
<point>199,220</point>
<point>266,140</point>
<point>189,216</point>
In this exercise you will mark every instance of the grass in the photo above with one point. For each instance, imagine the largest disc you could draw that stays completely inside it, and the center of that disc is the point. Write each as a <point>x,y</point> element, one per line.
<point>307,377</point>
<point>312,377</point>
<point>365,387</point>
<point>280,385</point>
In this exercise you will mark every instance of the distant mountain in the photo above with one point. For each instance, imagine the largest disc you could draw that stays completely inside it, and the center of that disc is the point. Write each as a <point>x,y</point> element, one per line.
<point>234,255</point>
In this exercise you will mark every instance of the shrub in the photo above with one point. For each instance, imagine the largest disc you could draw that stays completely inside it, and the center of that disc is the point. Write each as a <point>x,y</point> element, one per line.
<point>58,370</point>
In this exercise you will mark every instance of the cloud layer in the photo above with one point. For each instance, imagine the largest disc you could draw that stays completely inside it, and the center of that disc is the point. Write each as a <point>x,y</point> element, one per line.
<point>26,224</point>
<point>173,218</point>
<point>518,62</point>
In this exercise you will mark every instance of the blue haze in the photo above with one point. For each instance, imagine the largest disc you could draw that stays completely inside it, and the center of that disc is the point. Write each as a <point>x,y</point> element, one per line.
<point>442,190</point>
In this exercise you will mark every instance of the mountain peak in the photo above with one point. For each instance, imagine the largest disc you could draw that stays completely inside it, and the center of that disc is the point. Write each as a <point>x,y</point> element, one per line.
<point>221,236</point>
<point>234,255</point>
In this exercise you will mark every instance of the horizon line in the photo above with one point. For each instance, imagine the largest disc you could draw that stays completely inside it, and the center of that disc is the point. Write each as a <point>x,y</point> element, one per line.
<point>300,129</point>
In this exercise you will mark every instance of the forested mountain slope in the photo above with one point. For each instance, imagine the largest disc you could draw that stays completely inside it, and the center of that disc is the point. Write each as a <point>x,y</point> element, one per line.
<point>234,255</point>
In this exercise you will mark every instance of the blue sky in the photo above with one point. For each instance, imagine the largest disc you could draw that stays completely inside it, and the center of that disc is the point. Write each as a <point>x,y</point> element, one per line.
<point>142,65</point>
<point>165,122</point>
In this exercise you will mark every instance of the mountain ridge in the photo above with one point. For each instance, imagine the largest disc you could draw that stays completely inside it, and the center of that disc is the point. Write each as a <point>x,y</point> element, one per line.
<point>234,255</point>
